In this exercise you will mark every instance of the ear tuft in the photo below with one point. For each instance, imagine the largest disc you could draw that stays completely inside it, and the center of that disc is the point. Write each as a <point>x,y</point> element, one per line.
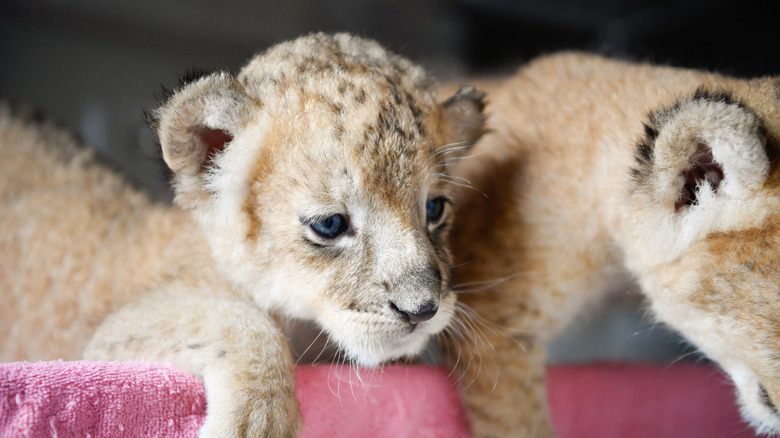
<point>193,75</point>
<point>464,118</point>
<point>197,123</point>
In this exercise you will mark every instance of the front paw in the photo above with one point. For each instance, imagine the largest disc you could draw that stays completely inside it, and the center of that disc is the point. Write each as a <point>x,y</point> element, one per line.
<point>525,427</point>
<point>248,408</point>
<point>254,420</point>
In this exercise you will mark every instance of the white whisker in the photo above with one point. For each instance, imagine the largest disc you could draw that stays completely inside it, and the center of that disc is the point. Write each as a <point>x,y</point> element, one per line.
<point>482,285</point>
<point>310,345</point>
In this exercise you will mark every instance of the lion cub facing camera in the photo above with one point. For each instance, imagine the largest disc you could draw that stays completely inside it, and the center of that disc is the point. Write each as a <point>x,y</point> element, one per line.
<point>312,185</point>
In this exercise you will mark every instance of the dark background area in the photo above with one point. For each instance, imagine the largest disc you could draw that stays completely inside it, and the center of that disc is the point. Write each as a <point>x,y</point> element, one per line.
<point>95,65</point>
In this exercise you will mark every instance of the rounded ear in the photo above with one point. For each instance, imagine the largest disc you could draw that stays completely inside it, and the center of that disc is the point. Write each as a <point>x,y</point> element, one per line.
<point>699,150</point>
<point>197,122</point>
<point>463,119</point>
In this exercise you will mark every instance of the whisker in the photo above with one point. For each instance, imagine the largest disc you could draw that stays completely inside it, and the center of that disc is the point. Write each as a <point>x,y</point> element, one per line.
<point>450,147</point>
<point>480,341</point>
<point>310,345</point>
<point>340,375</point>
<point>465,186</point>
<point>459,178</point>
<point>452,180</point>
<point>465,157</point>
<point>685,356</point>
<point>460,334</point>
<point>461,264</point>
<point>351,384</point>
<point>488,283</point>
<point>482,285</point>
<point>447,333</point>
<point>324,347</point>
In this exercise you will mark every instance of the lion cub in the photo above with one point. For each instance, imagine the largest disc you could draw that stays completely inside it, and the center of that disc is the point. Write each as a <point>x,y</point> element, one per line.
<point>312,185</point>
<point>596,172</point>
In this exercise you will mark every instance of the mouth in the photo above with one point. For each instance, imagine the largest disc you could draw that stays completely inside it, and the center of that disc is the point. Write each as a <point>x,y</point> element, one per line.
<point>374,354</point>
<point>384,338</point>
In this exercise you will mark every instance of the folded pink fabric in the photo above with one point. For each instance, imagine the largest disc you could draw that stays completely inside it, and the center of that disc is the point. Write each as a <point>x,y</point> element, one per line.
<point>112,399</point>
<point>115,399</point>
<point>99,399</point>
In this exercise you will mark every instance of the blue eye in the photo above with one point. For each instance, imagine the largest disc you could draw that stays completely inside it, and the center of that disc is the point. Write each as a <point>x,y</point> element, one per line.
<point>434,209</point>
<point>330,227</point>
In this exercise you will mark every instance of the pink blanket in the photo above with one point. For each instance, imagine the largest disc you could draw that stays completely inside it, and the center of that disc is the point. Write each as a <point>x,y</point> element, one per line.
<point>115,399</point>
<point>104,399</point>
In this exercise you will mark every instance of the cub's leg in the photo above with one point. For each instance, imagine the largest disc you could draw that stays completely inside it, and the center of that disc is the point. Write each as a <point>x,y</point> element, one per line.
<point>517,299</point>
<point>234,347</point>
<point>501,368</point>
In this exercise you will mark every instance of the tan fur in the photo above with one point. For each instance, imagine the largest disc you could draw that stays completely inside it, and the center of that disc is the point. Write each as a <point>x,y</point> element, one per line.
<point>317,127</point>
<point>566,207</point>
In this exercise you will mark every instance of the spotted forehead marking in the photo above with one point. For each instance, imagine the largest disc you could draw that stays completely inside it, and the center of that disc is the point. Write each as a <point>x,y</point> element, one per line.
<point>376,107</point>
<point>330,60</point>
<point>395,150</point>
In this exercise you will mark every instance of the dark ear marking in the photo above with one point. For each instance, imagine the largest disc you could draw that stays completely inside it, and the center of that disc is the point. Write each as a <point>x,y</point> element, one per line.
<point>151,120</point>
<point>694,143</point>
<point>644,154</point>
<point>468,93</point>
<point>193,74</point>
<point>766,400</point>
<point>702,93</point>
<point>189,76</point>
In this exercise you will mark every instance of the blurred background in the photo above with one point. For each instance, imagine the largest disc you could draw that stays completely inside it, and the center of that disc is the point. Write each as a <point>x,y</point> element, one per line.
<point>95,65</point>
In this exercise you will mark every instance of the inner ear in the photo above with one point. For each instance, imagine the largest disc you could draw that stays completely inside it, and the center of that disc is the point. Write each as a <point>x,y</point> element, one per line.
<point>702,169</point>
<point>215,141</point>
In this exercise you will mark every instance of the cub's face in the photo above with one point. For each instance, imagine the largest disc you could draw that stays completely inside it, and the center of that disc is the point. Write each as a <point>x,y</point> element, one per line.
<point>319,176</point>
<point>707,197</point>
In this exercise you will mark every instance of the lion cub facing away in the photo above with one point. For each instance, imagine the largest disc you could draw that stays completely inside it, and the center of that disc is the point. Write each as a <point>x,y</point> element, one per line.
<point>597,172</point>
<point>312,185</point>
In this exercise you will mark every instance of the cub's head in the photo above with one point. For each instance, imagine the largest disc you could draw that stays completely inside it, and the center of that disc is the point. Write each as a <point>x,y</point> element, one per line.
<point>706,206</point>
<point>319,175</point>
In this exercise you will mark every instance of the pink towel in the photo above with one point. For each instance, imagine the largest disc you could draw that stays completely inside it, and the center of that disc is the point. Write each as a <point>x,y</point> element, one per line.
<point>99,399</point>
<point>105,399</point>
<point>115,399</point>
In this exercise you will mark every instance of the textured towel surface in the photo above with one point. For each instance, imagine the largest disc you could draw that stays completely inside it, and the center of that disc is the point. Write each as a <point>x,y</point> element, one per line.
<point>99,399</point>
<point>109,399</point>
<point>114,399</point>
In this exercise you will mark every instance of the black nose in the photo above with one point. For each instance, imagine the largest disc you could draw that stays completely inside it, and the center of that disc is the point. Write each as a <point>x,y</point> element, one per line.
<point>422,313</point>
